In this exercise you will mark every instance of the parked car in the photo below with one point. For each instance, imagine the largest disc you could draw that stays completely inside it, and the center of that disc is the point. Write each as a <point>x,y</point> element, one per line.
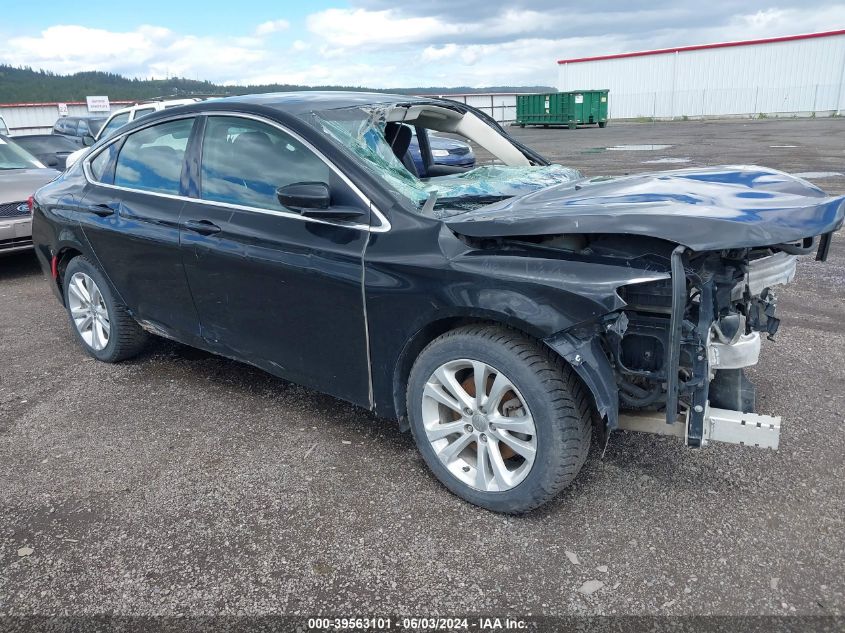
<point>121,117</point>
<point>20,175</point>
<point>496,312</point>
<point>444,151</point>
<point>51,149</point>
<point>79,128</point>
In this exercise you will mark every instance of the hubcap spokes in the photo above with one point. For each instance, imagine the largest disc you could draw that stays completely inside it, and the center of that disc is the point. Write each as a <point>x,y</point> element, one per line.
<point>479,425</point>
<point>88,310</point>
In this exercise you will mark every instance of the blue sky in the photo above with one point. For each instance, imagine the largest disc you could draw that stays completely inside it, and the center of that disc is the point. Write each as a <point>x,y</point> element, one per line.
<point>378,43</point>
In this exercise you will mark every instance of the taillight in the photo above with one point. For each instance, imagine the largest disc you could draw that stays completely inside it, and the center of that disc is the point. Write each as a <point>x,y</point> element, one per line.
<point>29,202</point>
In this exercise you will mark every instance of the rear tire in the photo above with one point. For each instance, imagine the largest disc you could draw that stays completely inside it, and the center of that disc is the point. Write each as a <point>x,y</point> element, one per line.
<point>100,322</point>
<point>455,440</point>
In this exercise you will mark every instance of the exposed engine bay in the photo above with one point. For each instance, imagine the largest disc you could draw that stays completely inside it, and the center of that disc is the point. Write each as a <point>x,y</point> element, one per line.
<point>688,339</point>
<point>676,352</point>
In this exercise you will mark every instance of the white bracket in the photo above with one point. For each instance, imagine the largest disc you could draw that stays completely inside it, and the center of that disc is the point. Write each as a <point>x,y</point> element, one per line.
<point>720,425</point>
<point>736,427</point>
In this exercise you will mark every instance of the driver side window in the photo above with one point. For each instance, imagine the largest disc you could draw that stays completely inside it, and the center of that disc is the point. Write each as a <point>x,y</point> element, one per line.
<point>245,161</point>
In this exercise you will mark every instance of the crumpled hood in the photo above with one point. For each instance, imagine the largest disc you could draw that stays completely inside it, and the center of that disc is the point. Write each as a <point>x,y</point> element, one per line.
<point>703,209</point>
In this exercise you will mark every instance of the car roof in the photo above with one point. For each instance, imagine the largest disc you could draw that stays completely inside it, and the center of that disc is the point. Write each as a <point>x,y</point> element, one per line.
<point>310,100</point>
<point>156,103</point>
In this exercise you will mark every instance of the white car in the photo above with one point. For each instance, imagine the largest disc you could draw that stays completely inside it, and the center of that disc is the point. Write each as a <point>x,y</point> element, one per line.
<point>126,115</point>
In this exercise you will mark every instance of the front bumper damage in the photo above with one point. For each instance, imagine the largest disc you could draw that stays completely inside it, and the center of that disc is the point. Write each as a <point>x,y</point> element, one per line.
<point>716,424</point>
<point>689,352</point>
<point>720,425</point>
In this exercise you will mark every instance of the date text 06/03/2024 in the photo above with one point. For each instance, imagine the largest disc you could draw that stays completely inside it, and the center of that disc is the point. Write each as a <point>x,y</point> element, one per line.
<point>418,624</point>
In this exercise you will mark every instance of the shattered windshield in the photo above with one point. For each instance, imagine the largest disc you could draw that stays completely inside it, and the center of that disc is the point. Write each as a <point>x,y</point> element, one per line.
<point>360,131</point>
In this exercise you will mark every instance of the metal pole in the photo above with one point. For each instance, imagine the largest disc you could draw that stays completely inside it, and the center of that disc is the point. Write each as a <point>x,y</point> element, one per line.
<point>839,91</point>
<point>674,77</point>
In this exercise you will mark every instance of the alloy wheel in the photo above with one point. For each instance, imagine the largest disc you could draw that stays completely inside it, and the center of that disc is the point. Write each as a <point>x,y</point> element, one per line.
<point>479,425</point>
<point>88,311</point>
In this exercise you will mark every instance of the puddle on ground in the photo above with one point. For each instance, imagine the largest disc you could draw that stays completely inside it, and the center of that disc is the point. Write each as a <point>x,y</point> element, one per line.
<point>782,146</point>
<point>818,174</point>
<point>666,160</point>
<point>637,148</point>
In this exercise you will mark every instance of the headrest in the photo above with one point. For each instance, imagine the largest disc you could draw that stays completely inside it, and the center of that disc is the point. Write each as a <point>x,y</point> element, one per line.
<point>398,137</point>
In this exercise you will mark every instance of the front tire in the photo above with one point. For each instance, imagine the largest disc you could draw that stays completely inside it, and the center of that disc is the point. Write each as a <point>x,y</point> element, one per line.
<point>518,443</point>
<point>101,323</point>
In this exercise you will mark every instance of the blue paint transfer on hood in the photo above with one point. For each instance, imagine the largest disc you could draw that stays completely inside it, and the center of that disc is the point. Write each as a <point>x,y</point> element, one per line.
<point>703,209</point>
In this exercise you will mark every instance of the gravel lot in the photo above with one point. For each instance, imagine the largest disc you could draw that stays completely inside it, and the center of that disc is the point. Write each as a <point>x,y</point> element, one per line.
<point>183,483</point>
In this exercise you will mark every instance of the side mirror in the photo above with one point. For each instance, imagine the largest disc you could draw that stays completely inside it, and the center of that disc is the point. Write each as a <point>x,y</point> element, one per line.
<point>303,196</point>
<point>313,199</point>
<point>88,140</point>
<point>52,161</point>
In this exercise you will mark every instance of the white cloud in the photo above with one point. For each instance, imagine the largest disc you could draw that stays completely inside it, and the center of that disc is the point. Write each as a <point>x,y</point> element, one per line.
<point>68,48</point>
<point>147,51</point>
<point>436,53</point>
<point>348,28</point>
<point>774,22</point>
<point>359,27</point>
<point>271,26</point>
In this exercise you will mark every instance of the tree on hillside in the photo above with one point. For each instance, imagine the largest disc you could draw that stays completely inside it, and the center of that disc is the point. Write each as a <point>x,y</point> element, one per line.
<point>25,84</point>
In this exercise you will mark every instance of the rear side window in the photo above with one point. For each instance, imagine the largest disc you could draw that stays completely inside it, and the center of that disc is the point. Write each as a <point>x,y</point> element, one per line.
<point>100,165</point>
<point>118,121</point>
<point>144,112</point>
<point>82,128</point>
<point>151,159</point>
<point>245,161</point>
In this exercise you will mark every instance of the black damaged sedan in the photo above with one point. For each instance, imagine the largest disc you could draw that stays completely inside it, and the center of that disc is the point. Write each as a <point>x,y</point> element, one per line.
<point>500,312</point>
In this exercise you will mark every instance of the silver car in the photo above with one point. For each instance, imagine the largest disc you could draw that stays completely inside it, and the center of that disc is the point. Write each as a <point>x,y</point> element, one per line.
<point>20,175</point>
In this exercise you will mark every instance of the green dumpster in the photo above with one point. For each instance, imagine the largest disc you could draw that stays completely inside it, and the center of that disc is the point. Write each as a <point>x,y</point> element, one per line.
<point>562,108</point>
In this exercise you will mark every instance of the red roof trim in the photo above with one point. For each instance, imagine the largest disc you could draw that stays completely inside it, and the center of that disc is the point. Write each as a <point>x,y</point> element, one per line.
<point>699,47</point>
<point>53,103</point>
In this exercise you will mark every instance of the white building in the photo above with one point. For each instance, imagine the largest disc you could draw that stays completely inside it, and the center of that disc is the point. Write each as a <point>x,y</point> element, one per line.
<point>38,118</point>
<point>779,76</point>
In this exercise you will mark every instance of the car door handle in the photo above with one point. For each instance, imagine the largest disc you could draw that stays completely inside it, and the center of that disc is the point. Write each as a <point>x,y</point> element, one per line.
<point>203,227</point>
<point>103,209</point>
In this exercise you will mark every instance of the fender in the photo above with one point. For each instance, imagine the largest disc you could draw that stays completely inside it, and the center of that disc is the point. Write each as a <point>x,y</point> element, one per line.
<point>593,367</point>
